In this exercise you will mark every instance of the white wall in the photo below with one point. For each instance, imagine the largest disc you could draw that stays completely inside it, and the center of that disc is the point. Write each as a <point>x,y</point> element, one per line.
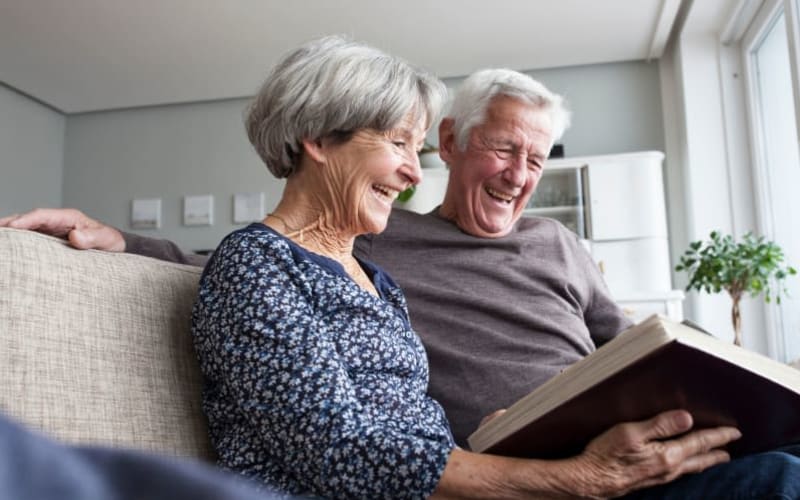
<point>31,153</point>
<point>164,152</point>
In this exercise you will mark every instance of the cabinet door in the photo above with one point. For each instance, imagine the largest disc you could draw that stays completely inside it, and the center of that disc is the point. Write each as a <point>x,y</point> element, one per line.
<point>626,197</point>
<point>638,310</point>
<point>560,195</point>
<point>640,265</point>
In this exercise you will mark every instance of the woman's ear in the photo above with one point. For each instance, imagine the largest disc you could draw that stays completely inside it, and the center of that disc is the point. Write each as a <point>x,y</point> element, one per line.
<point>315,150</point>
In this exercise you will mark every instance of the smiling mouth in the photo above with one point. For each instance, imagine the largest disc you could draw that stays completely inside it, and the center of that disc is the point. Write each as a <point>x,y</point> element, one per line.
<point>500,196</point>
<point>385,192</point>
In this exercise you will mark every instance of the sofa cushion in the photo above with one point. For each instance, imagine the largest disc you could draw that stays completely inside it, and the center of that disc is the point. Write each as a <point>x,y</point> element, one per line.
<point>95,347</point>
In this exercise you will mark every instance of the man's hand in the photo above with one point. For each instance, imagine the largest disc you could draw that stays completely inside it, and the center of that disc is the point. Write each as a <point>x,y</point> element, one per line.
<point>73,225</point>
<point>636,455</point>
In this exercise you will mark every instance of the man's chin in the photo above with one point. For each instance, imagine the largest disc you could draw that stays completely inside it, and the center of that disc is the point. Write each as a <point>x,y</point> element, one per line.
<point>492,230</point>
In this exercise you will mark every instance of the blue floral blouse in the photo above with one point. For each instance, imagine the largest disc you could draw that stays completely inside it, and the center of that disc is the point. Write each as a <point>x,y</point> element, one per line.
<point>312,384</point>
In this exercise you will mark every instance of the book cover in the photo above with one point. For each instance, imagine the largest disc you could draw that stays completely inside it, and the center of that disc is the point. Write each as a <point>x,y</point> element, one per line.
<point>654,366</point>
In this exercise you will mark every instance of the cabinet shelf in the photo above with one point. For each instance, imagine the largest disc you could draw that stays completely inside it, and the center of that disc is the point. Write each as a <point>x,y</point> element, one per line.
<point>556,210</point>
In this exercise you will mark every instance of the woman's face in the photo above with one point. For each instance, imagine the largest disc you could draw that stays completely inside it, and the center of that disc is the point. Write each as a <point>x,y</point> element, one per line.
<point>366,173</point>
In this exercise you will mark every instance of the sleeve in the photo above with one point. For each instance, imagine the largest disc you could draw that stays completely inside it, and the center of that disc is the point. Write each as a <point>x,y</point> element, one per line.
<point>161,249</point>
<point>276,358</point>
<point>34,466</point>
<point>603,316</point>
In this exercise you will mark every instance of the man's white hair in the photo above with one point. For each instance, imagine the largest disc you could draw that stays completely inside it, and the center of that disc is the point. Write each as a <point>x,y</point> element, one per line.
<point>472,99</point>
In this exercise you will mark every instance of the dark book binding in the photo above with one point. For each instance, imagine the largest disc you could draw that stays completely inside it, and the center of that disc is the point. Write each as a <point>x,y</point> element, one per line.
<point>675,375</point>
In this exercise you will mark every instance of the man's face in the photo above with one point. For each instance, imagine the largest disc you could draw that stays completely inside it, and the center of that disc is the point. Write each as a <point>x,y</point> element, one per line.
<point>493,179</point>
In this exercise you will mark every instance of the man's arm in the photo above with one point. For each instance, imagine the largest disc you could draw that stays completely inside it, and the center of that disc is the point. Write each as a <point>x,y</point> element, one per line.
<point>85,233</point>
<point>161,249</point>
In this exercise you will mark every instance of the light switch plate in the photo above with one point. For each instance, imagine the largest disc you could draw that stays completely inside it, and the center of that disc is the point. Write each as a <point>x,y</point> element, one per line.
<point>248,207</point>
<point>198,210</point>
<point>146,213</point>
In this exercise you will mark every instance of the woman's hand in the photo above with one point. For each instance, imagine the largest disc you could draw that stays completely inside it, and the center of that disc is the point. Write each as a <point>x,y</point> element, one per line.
<point>627,457</point>
<point>637,455</point>
<point>81,231</point>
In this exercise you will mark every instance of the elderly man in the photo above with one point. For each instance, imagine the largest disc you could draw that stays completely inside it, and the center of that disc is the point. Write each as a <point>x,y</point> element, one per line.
<point>503,303</point>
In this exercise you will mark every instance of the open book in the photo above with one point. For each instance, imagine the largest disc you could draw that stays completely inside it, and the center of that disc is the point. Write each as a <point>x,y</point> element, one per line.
<point>654,366</point>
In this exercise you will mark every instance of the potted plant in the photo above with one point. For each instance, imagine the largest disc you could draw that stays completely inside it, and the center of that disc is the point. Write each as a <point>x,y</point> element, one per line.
<point>752,265</point>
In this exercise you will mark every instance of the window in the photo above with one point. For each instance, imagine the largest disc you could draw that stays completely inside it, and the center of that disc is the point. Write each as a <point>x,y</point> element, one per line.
<point>769,66</point>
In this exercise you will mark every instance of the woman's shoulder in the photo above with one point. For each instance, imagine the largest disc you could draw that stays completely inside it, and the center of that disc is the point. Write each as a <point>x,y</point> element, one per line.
<point>256,236</point>
<point>251,246</point>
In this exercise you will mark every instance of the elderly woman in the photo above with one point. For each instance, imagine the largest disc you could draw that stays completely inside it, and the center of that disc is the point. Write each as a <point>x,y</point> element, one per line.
<point>315,381</point>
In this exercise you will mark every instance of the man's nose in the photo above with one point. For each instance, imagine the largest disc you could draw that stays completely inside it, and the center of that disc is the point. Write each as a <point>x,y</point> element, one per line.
<point>516,170</point>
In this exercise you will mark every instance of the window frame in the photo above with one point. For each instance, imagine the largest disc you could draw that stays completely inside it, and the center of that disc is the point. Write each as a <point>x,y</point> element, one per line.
<point>763,21</point>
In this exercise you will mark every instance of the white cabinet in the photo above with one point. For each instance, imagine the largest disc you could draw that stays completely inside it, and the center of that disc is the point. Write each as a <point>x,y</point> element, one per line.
<point>617,203</point>
<point>429,193</point>
<point>626,196</point>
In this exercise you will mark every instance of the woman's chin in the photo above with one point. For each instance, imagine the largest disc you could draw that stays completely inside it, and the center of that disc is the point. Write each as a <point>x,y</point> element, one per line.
<point>375,224</point>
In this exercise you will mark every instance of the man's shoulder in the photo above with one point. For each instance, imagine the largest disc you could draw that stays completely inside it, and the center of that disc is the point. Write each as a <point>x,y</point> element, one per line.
<point>545,226</point>
<point>405,222</point>
<point>401,216</point>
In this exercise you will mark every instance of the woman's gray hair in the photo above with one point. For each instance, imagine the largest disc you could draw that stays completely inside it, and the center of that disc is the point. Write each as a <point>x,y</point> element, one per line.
<point>472,99</point>
<point>331,88</point>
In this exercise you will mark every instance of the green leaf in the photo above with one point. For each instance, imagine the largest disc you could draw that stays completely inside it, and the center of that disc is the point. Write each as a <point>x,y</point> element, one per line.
<point>752,264</point>
<point>407,194</point>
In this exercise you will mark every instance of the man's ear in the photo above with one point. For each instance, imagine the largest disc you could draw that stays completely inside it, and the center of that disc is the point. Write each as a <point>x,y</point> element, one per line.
<point>447,140</point>
<point>315,150</point>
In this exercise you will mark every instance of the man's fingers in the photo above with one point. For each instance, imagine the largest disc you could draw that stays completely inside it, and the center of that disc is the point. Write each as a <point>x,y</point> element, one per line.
<point>45,219</point>
<point>4,221</point>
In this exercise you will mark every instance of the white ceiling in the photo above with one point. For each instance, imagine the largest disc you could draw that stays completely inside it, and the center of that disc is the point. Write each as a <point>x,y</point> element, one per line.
<point>86,55</point>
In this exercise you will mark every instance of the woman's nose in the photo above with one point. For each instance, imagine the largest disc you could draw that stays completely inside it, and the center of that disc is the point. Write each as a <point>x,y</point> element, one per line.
<point>413,170</point>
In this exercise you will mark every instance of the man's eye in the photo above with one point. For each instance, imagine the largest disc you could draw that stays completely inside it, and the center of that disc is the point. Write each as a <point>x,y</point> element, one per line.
<point>504,154</point>
<point>399,144</point>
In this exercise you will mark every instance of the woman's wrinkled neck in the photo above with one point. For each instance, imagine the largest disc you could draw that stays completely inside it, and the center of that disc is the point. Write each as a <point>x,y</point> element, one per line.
<point>305,216</point>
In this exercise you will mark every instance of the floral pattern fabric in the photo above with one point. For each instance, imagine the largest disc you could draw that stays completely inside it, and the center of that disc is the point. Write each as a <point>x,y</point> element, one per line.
<point>312,384</point>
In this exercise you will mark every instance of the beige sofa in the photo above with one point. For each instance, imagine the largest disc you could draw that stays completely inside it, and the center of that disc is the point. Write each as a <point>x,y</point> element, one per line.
<point>95,347</point>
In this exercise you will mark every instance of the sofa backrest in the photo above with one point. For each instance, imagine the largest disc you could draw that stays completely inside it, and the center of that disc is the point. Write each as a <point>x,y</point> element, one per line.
<point>95,347</point>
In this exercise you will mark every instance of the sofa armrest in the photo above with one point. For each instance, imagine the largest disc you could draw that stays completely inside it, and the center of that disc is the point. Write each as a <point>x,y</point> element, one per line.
<point>95,347</point>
